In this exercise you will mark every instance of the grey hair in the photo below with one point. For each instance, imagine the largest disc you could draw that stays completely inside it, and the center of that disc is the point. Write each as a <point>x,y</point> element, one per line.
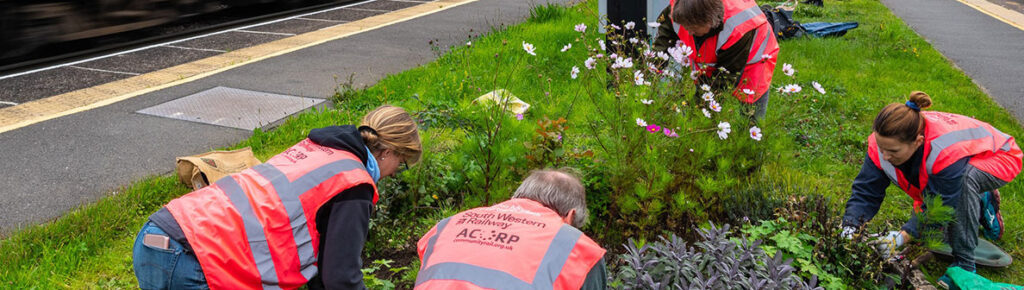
<point>557,189</point>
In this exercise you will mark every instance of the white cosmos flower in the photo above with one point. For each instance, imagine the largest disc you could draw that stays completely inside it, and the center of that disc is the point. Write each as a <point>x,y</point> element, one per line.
<point>791,89</point>
<point>706,113</point>
<point>708,96</point>
<point>580,28</point>
<point>641,122</point>
<point>680,53</point>
<point>705,87</point>
<point>566,47</point>
<point>766,57</point>
<point>633,40</point>
<point>630,25</point>
<point>646,101</point>
<point>623,62</point>
<point>755,133</point>
<point>693,75</point>
<point>615,27</point>
<point>724,129</point>
<point>529,48</point>
<point>818,87</point>
<point>601,43</point>
<point>788,69</point>
<point>748,91</point>
<point>638,78</point>
<point>590,63</point>
<point>662,55</point>
<point>715,106</point>
<point>575,72</point>
<point>469,43</point>
<point>649,54</point>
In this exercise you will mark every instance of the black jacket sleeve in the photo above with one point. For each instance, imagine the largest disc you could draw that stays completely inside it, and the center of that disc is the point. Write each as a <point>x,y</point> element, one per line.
<point>597,278</point>
<point>667,35</point>
<point>734,59</point>
<point>343,224</point>
<point>868,194</point>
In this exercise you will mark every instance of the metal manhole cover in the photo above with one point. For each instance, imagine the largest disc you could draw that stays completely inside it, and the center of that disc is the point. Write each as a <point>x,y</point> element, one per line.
<point>231,107</point>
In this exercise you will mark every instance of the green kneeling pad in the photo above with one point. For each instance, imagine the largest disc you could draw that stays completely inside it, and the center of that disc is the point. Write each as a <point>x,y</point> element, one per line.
<point>986,254</point>
<point>968,280</point>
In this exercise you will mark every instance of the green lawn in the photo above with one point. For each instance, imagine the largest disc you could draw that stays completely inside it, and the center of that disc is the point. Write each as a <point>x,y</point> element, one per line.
<point>823,139</point>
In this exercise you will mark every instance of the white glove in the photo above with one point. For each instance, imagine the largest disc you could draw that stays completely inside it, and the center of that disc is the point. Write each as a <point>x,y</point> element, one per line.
<point>848,232</point>
<point>887,245</point>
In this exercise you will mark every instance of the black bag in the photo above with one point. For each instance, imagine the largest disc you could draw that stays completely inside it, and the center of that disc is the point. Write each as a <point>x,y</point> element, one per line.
<point>782,22</point>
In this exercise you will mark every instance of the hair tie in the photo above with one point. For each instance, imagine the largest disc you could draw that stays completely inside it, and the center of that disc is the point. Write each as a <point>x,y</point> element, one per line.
<point>913,106</point>
<point>368,129</point>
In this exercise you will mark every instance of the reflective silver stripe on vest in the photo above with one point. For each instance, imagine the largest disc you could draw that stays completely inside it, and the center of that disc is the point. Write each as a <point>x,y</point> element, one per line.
<point>759,55</point>
<point>433,240</point>
<point>735,21</point>
<point>547,272</point>
<point>258,243</point>
<point>890,171</point>
<point>948,139</point>
<point>289,193</point>
<point>676,27</point>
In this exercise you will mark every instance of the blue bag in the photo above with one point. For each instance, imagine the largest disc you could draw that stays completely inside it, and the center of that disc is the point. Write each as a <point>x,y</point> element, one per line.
<point>825,29</point>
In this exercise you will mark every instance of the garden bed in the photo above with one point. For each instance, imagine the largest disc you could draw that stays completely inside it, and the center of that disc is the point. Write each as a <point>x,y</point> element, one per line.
<point>641,184</point>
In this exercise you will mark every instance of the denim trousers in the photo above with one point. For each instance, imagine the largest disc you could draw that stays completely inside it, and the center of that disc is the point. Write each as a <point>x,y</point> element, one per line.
<point>171,268</point>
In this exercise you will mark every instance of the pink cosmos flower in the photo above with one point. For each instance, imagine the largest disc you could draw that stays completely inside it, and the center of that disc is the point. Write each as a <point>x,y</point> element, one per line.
<point>575,72</point>
<point>653,128</point>
<point>566,47</point>
<point>519,117</point>
<point>670,133</point>
<point>630,25</point>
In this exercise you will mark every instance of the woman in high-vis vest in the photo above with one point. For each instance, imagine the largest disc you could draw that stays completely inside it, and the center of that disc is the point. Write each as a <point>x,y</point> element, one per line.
<point>301,217</point>
<point>962,160</point>
<point>730,36</point>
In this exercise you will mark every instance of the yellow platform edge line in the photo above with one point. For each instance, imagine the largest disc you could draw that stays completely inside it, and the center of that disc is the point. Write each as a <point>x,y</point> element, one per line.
<point>81,100</point>
<point>998,12</point>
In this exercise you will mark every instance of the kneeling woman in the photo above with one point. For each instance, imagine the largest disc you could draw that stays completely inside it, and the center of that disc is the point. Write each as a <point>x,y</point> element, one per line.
<point>300,217</point>
<point>960,159</point>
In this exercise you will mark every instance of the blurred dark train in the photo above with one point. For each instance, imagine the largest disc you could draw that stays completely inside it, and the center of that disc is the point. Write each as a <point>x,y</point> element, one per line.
<point>28,24</point>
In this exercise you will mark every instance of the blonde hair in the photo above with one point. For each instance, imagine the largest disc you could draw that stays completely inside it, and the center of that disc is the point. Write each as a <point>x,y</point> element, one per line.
<point>391,128</point>
<point>901,121</point>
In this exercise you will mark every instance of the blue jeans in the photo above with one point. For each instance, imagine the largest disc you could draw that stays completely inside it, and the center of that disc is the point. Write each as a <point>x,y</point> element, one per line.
<point>170,268</point>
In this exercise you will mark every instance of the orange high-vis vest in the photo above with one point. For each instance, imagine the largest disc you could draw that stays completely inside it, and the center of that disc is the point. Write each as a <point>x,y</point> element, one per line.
<point>948,138</point>
<point>256,228</point>
<point>741,16</point>
<point>516,244</point>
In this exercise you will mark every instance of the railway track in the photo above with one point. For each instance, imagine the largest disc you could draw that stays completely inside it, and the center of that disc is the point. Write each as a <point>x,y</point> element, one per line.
<point>72,52</point>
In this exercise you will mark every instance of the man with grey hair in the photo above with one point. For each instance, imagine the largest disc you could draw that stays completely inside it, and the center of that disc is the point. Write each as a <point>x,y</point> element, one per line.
<point>529,241</point>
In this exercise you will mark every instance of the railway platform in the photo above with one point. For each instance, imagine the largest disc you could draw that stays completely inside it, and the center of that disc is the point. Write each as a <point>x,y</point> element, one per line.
<point>72,134</point>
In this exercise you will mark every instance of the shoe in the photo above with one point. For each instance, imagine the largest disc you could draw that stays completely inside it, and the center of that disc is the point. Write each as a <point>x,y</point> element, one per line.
<point>947,283</point>
<point>992,219</point>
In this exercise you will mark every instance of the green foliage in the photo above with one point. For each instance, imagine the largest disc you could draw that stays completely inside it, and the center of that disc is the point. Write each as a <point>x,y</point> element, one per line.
<point>373,282</point>
<point>932,220</point>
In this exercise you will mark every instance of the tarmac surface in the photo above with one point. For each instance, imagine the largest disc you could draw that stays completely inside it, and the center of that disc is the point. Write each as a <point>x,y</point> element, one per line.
<point>990,51</point>
<point>56,165</point>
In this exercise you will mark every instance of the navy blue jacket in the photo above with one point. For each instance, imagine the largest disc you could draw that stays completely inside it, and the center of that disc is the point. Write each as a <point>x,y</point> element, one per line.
<point>870,184</point>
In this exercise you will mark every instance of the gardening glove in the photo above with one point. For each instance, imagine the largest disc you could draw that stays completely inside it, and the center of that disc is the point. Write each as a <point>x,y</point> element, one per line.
<point>887,245</point>
<point>848,232</point>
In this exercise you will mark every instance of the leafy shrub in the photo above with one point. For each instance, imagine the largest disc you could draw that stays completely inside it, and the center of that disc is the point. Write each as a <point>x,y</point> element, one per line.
<point>716,262</point>
<point>809,230</point>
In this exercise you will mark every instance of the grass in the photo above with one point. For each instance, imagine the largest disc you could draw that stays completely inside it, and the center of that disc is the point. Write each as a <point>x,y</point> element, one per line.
<point>878,63</point>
